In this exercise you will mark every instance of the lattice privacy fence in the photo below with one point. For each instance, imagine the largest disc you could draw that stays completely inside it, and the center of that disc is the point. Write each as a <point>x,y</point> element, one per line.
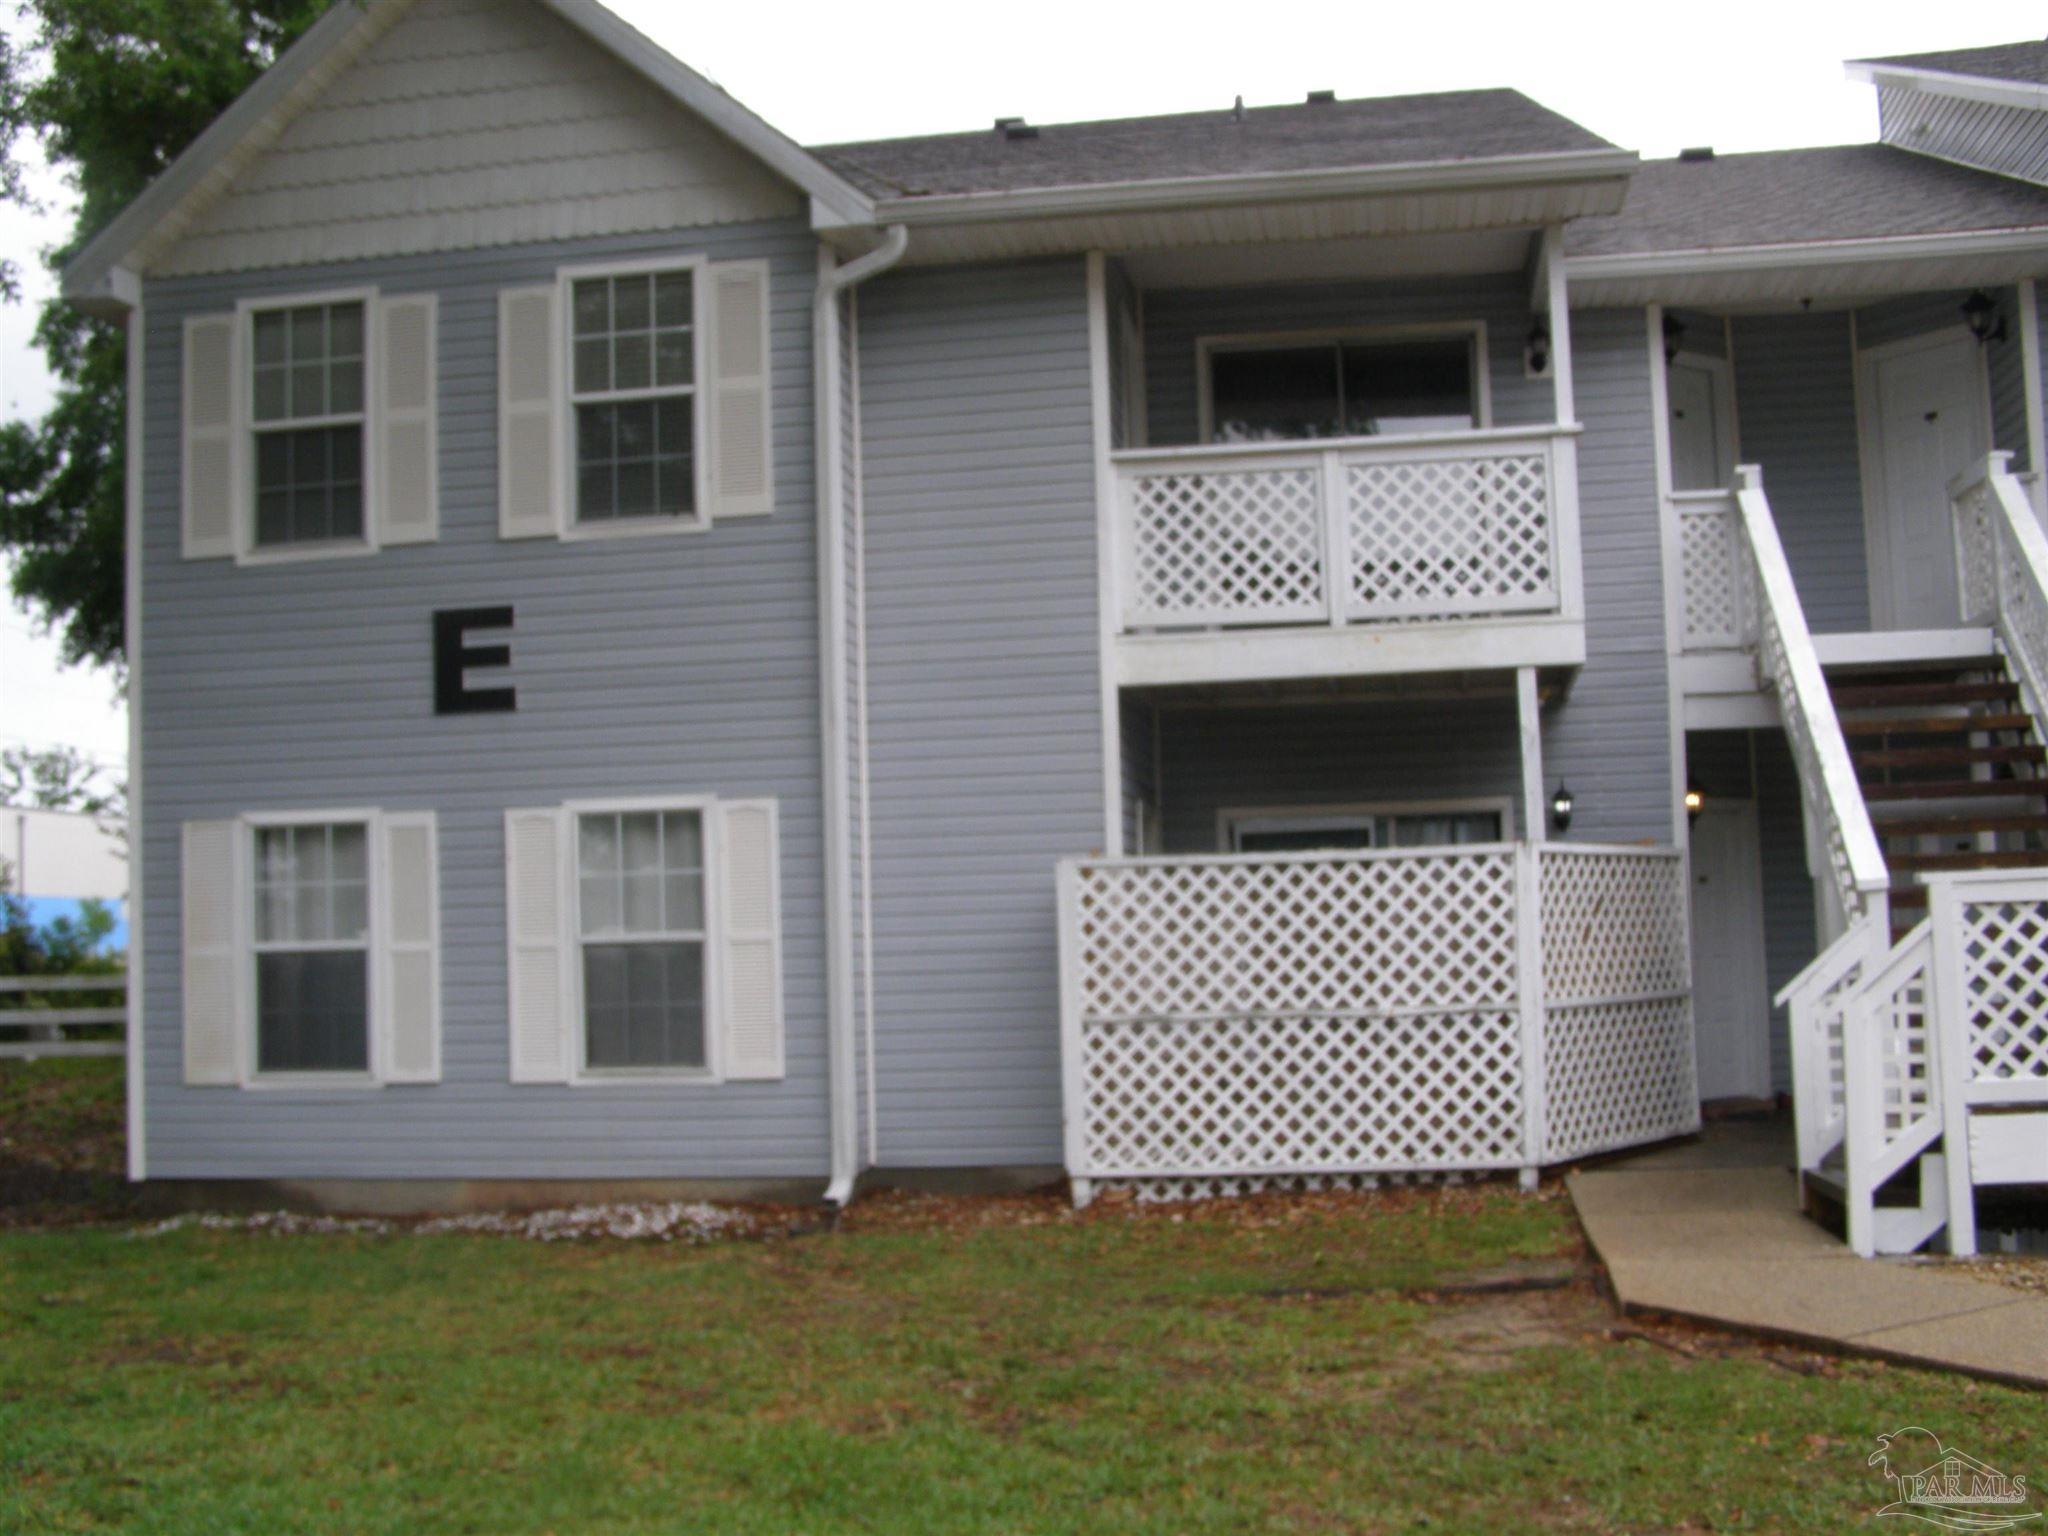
<point>1368,1013</point>
<point>1411,531</point>
<point>1711,577</point>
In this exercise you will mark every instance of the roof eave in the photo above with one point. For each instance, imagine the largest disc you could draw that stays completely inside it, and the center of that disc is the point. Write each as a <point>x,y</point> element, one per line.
<point>1940,82</point>
<point>1212,191</point>
<point>1802,253</point>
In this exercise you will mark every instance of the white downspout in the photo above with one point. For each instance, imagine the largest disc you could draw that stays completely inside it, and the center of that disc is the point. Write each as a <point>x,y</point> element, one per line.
<point>834,280</point>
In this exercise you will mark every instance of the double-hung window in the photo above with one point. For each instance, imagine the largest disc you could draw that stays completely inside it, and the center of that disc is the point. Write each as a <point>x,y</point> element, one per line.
<point>312,947</point>
<point>1444,825</point>
<point>642,935</point>
<point>1357,384</point>
<point>308,410</point>
<point>633,397</point>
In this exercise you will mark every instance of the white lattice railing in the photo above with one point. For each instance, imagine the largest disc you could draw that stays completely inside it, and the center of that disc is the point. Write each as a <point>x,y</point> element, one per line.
<point>1713,583</point>
<point>1335,1013</point>
<point>1348,531</point>
<point>2002,568</point>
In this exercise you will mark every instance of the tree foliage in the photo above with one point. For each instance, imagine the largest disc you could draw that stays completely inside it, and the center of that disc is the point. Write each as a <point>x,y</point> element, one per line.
<point>113,90</point>
<point>60,779</point>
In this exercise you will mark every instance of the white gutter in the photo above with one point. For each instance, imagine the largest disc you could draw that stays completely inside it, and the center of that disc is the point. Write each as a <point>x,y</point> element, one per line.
<point>1263,186</point>
<point>834,280</point>
<point>1942,82</point>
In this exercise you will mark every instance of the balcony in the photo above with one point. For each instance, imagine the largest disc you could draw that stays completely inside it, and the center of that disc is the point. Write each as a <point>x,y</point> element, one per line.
<point>1342,556</point>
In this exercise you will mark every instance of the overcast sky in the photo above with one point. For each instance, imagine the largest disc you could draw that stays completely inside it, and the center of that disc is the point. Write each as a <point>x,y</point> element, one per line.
<point>1738,76</point>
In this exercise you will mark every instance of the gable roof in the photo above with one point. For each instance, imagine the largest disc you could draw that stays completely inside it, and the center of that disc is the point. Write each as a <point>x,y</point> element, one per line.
<point>2024,62</point>
<point>1446,127</point>
<point>95,278</point>
<point>1847,192</point>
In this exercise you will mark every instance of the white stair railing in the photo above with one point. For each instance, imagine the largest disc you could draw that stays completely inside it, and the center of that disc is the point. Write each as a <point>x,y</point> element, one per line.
<point>1818,999</point>
<point>2002,568</point>
<point>1891,1078</point>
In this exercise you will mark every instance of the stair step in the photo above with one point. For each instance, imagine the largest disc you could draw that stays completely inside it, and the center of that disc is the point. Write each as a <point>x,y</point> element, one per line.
<point>1959,789</point>
<point>1906,670</point>
<point>1937,725</point>
<point>1963,825</point>
<point>1941,757</point>
<point>1907,896</point>
<point>2031,858</point>
<point>1886,696</point>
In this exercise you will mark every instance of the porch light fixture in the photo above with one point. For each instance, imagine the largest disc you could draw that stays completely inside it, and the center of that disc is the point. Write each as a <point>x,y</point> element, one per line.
<point>1536,351</point>
<point>1983,316</point>
<point>1695,801</point>
<point>1674,335</point>
<point>1561,808</point>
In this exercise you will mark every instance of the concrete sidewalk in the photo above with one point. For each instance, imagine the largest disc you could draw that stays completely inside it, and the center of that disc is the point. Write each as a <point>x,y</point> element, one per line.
<point>1712,1231</point>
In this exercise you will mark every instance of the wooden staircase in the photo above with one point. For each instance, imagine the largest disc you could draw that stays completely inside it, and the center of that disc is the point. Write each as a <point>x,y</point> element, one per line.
<point>1952,767</point>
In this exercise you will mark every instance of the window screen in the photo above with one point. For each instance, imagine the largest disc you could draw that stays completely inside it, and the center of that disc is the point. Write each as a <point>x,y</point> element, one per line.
<point>307,409</point>
<point>312,948</point>
<point>633,379</point>
<point>640,879</point>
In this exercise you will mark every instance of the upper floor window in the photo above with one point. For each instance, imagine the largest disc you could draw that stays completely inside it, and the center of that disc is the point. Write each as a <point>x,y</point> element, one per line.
<point>1436,825</point>
<point>308,364</point>
<point>633,389</point>
<point>1351,384</point>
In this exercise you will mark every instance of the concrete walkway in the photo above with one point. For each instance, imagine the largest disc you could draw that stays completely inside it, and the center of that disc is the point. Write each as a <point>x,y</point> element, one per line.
<point>1711,1230</point>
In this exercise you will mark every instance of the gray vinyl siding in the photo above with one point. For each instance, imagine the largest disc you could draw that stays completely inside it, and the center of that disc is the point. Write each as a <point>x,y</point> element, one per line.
<point>1216,759</point>
<point>644,666</point>
<point>1176,319</point>
<point>2007,140</point>
<point>1795,403</point>
<point>985,700</point>
<point>1609,738</point>
<point>1757,765</point>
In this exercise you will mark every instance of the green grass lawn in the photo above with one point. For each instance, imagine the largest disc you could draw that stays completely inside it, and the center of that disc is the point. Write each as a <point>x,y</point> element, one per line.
<point>1115,1373</point>
<point>939,1366</point>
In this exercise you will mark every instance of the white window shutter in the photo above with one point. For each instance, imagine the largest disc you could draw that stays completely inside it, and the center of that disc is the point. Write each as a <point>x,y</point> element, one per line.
<point>742,475</point>
<point>750,939</point>
<point>409,1002</point>
<point>211,491</point>
<point>537,944</point>
<point>529,437</point>
<point>210,884</point>
<point>407,489</point>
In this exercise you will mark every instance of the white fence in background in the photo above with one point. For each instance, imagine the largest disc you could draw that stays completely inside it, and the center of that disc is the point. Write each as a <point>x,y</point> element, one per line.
<point>1427,1010</point>
<point>29,1031</point>
<point>1348,531</point>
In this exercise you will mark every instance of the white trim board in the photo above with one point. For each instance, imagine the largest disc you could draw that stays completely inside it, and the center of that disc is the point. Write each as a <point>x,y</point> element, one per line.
<point>1881,646</point>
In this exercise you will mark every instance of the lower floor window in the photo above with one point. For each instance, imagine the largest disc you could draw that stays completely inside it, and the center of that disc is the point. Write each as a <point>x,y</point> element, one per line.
<point>640,904</point>
<point>1290,832</point>
<point>312,944</point>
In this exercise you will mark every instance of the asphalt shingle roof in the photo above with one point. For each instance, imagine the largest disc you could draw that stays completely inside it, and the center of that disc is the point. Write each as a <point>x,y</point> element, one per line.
<point>1847,192</point>
<point>1390,130</point>
<point>2003,61</point>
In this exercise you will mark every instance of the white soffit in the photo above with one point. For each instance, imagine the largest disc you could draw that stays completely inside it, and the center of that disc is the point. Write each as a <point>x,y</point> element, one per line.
<point>1791,285</point>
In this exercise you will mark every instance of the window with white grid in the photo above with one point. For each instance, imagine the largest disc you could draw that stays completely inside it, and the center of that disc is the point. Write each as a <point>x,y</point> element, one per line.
<point>641,930</point>
<point>307,408</point>
<point>633,389</point>
<point>312,948</point>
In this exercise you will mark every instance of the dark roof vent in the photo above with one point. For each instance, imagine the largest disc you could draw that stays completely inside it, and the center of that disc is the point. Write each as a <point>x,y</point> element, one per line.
<point>1321,98</point>
<point>1697,155</point>
<point>1016,128</point>
<point>1003,123</point>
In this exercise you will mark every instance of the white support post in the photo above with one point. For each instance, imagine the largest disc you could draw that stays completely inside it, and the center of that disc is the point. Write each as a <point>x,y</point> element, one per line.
<point>1529,716</point>
<point>1951,1012</point>
<point>2030,377</point>
<point>1073,1080</point>
<point>1559,305</point>
<point>1529,981</point>
<point>1336,544</point>
<point>1106,578</point>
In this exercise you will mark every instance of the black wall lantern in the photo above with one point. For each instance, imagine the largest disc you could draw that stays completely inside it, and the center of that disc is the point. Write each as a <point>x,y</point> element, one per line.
<point>1561,808</point>
<point>1674,336</point>
<point>1695,801</point>
<point>1983,316</point>
<point>1536,351</point>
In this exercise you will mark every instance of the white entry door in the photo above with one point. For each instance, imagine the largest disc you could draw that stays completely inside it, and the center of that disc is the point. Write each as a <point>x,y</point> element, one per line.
<point>1925,418</point>
<point>1702,423</point>
<point>1730,1006</point>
